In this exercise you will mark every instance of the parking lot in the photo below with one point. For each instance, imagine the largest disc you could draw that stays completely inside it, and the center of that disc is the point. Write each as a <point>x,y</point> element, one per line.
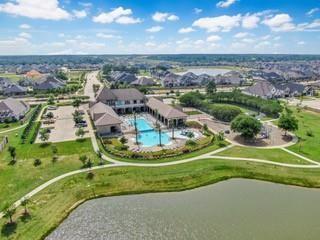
<point>63,126</point>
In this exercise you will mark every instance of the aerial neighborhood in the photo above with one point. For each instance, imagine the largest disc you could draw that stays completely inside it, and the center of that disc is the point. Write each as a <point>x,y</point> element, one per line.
<point>108,120</point>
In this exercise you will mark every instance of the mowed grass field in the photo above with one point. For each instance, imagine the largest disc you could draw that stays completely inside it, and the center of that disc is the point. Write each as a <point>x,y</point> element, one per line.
<point>12,76</point>
<point>276,155</point>
<point>20,178</point>
<point>308,133</point>
<point>50,206</point>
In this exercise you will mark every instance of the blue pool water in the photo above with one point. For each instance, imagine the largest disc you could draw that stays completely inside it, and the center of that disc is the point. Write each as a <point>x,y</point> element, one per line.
<point>148,136</point>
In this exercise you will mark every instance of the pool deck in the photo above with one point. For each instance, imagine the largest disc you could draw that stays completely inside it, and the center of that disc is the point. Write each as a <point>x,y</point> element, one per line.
<point>129,133</point>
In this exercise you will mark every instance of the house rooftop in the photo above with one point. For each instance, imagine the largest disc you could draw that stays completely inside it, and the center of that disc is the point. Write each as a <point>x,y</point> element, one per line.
<point>106,94</point>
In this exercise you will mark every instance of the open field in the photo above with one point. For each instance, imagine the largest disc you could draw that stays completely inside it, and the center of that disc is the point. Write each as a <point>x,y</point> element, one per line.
<point>12,76</point>
<point>276,155</point>
<point>309,134</point>
<point>49,207</point>
<point>19,178</point>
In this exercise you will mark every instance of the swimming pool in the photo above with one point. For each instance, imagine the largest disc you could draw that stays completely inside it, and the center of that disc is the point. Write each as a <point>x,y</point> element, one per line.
<point>148,136</point>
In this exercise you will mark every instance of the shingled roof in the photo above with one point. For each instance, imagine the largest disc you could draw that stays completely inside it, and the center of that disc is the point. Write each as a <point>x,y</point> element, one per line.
<point>165,110</point>
<point>103,115</point>
<point>106,94</point>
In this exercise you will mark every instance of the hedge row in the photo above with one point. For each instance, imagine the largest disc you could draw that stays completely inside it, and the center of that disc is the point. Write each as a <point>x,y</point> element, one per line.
<point>27,129</point>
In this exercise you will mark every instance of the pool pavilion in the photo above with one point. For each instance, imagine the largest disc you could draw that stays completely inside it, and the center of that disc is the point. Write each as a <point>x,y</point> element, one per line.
<point>167,114</point>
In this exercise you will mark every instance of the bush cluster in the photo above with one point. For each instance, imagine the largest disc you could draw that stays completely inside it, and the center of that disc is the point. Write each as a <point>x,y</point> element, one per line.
<point>27,129</point>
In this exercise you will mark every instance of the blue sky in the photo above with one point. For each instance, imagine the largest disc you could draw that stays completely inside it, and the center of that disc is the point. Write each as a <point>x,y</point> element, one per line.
<point>150,26</point>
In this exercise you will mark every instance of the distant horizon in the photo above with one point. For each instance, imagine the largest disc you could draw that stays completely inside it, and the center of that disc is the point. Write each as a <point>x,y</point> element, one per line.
<point>94,27</point>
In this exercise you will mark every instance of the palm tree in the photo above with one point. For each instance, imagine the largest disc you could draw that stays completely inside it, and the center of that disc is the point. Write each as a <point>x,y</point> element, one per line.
<point>158,127</point>
<point>171,122</point>
<point>8,213</point>
<point>135,126</point>
<point>24,203</point>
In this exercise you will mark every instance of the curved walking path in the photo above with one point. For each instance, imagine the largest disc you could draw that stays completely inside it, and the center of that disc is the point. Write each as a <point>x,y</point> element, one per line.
<point>13,129</point>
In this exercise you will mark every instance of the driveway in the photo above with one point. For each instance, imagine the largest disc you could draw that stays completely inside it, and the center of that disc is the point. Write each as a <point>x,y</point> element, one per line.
<point>63,128</point>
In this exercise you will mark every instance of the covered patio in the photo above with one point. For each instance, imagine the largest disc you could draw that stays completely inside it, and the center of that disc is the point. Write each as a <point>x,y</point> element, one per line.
<point>167,114</point>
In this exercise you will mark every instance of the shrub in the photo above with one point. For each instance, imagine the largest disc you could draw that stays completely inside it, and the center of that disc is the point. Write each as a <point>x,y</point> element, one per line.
<point>224,113</point>
<point>37,162</point>
<point>309,133</point>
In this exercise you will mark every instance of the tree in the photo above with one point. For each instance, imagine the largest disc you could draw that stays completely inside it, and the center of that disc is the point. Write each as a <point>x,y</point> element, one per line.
<point>9,211</point>
<point>51,100</point>
<point>25,201</point>
<point>76,102</point>
<point>44,134</point>
<point>83,159</point>
<point>80,132</point>
<point>12,151</point>
<point>50,115</point>
<point>171,122</point>
<point>77,117</point>
<point>37,162</point>
<point>288,122</point>
<point>191,99</point>
<point>123,140</point>
<point>158,127</point>
<point>247,126</point>
<point>190,135</point>
<point>211,87</point>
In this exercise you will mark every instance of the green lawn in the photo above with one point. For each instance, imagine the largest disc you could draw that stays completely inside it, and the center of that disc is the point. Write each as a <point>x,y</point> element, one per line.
<point>20,178</point>
<point>308,146</point>
<point>50,206</point>
<point>12,76</point>
<point>276,155</point>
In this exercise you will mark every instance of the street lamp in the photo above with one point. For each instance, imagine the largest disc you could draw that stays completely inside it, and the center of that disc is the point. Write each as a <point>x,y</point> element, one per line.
<point>135,126</point>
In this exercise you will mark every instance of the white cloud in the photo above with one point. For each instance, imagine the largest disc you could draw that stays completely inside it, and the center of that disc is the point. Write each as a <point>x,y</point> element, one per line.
<point>213,38</point>
<point>248,40</point>
<point>186,30</point>
<point>241,35</point>
<point>25,35</point>
<point>107,36</point>
<point>85,4</point>
<point>118,15</point>
<point>222,23</point>
<point>280,23</point>
<point>150,44</point>
<point>250,21</point>
<point>226,3</point>
<point>301,43</point>
<point>36,9</point>
<point>173,18</point>
<point>79,13</point>
<point>164,16</point>
<point>197,10</point>
<point>312,11</point>
<point>154,29</point>
<point>25,26</point>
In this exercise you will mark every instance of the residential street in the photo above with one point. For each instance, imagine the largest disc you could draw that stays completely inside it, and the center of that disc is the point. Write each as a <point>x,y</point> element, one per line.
<point>92,78</point>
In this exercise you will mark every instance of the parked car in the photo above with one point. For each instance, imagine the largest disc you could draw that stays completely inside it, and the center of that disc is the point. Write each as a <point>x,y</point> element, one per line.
<point>51,107</point>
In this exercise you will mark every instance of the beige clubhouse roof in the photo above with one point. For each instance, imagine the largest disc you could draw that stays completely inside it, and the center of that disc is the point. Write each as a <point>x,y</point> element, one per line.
<point>103,115</point>
<point>165,110</point>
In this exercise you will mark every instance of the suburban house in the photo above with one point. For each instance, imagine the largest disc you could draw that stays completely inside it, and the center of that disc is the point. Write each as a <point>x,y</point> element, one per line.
<point>143,81</point>
<point>167,114</point>
<point>48,82</point>
<point>33,74</point>
<point>122,77</point>
<point>14,89</point>
<point>122,100</point>
<point>105,119</point>
<point>12,108</point>
<point>267,90</point>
